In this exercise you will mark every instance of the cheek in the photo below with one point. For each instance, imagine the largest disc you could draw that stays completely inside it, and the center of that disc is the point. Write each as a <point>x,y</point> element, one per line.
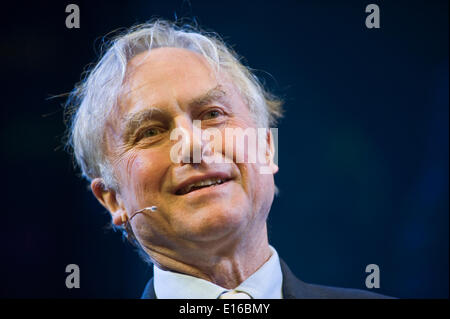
<point>141,172</point>
<point>261,187</point>
<point>238,141</point>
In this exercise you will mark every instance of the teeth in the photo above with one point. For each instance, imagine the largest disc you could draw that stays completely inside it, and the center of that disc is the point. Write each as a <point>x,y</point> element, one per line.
<point>206,182</point>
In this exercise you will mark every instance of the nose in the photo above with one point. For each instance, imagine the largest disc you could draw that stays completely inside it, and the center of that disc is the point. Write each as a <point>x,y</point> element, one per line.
<point>189,147</point>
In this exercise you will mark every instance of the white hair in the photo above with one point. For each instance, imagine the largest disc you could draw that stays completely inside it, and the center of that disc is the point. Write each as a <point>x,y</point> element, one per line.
<point>89,105</point>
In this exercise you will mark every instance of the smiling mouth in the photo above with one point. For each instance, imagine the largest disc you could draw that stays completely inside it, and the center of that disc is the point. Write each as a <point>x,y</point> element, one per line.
<point>211,182</point>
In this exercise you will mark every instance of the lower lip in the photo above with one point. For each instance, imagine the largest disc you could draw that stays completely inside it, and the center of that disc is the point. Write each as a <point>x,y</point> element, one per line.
<point>208,190</point>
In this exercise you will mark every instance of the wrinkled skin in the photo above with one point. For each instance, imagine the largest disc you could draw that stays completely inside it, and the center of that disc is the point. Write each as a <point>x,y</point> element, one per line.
<point>217,233</point>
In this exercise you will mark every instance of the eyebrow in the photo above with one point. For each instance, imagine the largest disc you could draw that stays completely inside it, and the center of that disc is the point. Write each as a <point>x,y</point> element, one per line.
<point>217,93</point>
<point>134,120</point>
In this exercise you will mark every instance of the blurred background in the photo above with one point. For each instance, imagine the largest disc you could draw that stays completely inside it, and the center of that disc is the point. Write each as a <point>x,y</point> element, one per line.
<point>363,147</point>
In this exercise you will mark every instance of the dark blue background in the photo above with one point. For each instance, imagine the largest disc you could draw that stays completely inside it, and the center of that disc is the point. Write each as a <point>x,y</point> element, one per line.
<point>363,148</point>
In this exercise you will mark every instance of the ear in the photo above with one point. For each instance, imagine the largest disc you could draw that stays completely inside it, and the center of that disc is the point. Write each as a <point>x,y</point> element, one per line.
<point>111,200</point>
<point>270,155</point>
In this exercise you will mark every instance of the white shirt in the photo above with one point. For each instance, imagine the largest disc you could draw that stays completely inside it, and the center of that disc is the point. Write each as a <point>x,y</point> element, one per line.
<point>265,283</point>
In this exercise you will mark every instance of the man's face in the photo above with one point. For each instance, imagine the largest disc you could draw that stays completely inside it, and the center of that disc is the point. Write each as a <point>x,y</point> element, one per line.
<point>166,89</point>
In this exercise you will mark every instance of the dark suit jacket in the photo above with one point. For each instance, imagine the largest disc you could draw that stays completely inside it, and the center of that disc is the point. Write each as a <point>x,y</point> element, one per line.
<point>293,288</point>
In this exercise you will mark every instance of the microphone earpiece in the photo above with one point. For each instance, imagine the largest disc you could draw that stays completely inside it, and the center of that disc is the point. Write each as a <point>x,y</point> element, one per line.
<point>150,208</point>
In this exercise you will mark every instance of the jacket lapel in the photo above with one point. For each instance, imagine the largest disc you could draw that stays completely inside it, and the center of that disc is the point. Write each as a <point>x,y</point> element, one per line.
<point>293,288</point>
<point>149,291</point>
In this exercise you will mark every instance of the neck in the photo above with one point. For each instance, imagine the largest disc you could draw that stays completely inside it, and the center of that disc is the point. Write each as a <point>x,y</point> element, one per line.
<point>226,264</point>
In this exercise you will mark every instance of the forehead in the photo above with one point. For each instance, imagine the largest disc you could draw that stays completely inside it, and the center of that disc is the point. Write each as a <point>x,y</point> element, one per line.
<point>163,76</point>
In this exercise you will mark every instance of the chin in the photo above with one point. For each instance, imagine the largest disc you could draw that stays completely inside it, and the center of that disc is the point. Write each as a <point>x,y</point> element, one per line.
<point>212,223</point>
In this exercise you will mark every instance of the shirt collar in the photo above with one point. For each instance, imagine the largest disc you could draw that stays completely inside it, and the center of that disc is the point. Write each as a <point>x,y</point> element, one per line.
<point>265,283</point>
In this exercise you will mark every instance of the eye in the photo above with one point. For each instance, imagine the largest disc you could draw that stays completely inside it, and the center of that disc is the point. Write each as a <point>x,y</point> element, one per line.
<point>150,132</point>
<point>211,115</point>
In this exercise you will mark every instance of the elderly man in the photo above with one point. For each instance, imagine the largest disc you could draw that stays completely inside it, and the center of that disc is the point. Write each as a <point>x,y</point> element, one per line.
<point>202,223</point>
